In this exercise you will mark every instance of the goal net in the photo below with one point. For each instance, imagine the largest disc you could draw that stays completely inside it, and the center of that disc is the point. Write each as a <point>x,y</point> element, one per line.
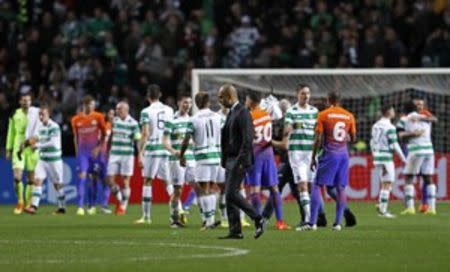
<point>363,92</point>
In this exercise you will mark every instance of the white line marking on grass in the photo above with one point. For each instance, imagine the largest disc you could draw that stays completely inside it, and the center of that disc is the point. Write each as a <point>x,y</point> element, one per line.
<point>226,251</point>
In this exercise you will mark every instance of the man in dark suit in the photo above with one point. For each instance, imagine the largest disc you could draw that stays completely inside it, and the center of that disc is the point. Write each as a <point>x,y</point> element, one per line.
<point>237,158</point>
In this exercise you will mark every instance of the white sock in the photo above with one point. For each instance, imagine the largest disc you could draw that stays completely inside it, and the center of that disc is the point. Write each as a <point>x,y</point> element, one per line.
<point>383,201</point>
<point>242,192</point>
<point>431,192</point>
<point>126,197</point>
<point>36,194</point>
<point>116,191</point>
<point>223,207</point>
<point>146,201</point>
<point>305,202</point>
<point>212,208</point>
<point>409,196</point>
<point>61,198</point>
<point>203,204</point>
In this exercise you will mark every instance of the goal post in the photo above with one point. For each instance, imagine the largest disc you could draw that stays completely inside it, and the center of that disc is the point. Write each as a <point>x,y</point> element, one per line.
<point>363,92</point>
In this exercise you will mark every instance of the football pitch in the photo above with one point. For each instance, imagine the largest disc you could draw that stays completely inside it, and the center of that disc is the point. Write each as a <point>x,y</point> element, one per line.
<point>109,243</point>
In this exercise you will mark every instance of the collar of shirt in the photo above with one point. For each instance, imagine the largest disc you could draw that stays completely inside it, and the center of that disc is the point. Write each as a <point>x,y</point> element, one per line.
<point>234,105</point>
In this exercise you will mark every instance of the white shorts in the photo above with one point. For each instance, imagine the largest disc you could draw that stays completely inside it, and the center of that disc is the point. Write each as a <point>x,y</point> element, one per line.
<point>301,166</point>
<point>416,165</point>
<point>180,174</point>
<point>120,165</point>
<point>389,175</point>
<point>156,167</point>
<point>51,170</point>
<point>221,175</point>
<point>206,173</point>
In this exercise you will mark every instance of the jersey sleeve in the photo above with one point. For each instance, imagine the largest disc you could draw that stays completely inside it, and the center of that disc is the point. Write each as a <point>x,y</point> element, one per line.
<point>392,136</point>
<point>289,118</point>
<point>136,132</point>
<point>352,125</point>
<point>168,128</point>
<point>11,134</point>
<point>144,119</point>
<point>190,127</point>
<point>101,124</point>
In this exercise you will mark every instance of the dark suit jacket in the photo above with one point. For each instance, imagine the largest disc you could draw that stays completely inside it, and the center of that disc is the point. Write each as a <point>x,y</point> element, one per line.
<point>237,137</point>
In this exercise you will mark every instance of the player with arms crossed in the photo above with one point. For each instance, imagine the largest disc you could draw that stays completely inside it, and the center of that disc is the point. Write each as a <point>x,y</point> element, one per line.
<point>154,158</point>
<point>416,128</point>
<point>88,134</point>
<point>125,132</point>
<point>383,144</point>
<point>205,130</point>
<point>264,172</point>
<point>48,141</point>
<point>22,125</point>
<point>335,128</point>
<point>174,134</point>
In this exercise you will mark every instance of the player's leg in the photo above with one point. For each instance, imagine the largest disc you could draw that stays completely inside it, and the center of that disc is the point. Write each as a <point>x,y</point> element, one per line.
<point>423,195</point>
<point>55,176</point>
<point>222,199</point>
<point>93,174</point>
<point>427,170</point>
<point>83,167</point>
<point>36,193</point>
<point>340,182</point>
<point>386,174</point>
<point>18,165</point>
<point>31,159</point>
<point>149,171</point>
<point>103,189</point>
<point>412,169</point>
<point>112,171</point>
<point>177,174</point>
<point>302,178</point>
<point>126,171</point>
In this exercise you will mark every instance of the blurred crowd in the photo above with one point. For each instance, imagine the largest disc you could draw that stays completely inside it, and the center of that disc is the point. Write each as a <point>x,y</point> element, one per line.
<point>112,49</point>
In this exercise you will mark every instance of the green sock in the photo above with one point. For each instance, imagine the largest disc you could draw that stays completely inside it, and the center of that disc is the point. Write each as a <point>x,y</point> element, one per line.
<point>28,191</point>
<point>19,192</point>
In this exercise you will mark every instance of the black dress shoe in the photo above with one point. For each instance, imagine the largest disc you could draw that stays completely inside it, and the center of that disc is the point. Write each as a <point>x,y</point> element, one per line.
<point>260,225</point>
<point>232,236</point>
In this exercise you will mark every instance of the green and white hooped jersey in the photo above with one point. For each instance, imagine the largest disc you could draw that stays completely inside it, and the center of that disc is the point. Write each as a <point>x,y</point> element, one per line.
<point>49,141</point>
<point>155,116</point>
<point>124,134</point>
<point>303,122</point>
<point>422,145</point>
<point>206,128</point>
<point>176,129</point>
<point>384,136</point>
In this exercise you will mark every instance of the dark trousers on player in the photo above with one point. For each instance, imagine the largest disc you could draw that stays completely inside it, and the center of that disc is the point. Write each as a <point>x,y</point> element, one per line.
<point>234,176</point>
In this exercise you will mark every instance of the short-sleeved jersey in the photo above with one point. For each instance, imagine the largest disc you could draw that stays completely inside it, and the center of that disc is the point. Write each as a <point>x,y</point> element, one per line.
<point>205,129</point>
<point>49,141</point>
<point>88,129</point>
<point>303,121</point>
<point>176,129</point>
<point>124,133</point>
<point>21,126</point>
<point>384,137</point>
<point>422,145</point>
<point>336,124</point>
<point>155,116</point>
<point>262,123</point>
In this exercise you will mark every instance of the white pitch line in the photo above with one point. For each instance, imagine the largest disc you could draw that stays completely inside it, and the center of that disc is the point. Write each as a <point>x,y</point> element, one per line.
<point>228,251</point>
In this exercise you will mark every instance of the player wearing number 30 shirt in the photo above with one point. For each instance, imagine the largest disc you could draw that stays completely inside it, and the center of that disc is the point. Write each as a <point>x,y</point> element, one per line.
<point>335,128</point>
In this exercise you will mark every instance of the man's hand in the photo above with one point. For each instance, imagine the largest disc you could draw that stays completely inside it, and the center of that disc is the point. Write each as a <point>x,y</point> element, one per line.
<point>176,153</point>
<point>183,161</point>
<point>141,160</point>
<point>313,165</point>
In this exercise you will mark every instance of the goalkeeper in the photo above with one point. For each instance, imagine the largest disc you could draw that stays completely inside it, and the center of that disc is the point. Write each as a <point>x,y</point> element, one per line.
<point>22,125</point>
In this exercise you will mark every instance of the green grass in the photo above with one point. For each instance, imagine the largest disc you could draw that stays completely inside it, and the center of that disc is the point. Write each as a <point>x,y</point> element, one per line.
<point>110,243</point>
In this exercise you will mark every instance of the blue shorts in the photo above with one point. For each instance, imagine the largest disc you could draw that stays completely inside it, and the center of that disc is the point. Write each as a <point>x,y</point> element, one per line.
<point>83,162</point>
<point>333,169</point>
<point>264,172</point>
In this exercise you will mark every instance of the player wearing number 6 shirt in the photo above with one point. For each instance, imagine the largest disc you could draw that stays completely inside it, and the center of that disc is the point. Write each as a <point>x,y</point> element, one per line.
<point>153,156</point>
<point>335,127</point>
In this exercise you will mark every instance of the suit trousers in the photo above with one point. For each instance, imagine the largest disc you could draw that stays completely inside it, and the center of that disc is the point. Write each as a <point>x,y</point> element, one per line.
<point>234,175</point>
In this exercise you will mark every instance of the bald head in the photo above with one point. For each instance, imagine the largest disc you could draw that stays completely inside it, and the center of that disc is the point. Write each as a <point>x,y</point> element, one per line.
<point>228,95</point>
<point>122,109</point>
